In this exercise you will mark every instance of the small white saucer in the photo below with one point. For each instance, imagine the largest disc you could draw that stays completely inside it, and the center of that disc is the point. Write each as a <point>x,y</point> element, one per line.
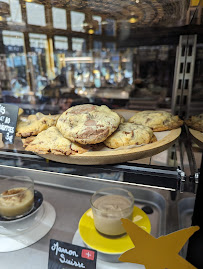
<point>41,225</point>
<point>77,240</point>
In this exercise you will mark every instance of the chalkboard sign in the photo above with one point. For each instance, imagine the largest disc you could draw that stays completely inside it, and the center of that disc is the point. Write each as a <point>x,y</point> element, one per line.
<point>8,121</point>
<point>64,255</point>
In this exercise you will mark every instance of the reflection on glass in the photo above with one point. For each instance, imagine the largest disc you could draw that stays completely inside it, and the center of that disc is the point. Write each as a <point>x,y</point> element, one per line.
<point>61,43</point>
<point>59,18</point>
<point>15,11</point>
<point>197,92</point>
<point>77,20</point>
<point>111,46</point>
<point>97,45</point>
<point>61,50</point>
<point>38,62</point>
<point>35,14</point>
<point>38,42</point>
<point>110,27</point>
<point>78,44</point>
<point>99,20</point>
<point>14,73</point>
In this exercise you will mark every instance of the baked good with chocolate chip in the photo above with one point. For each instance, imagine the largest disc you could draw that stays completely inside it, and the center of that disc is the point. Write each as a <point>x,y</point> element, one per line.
<point>157,120</point>
<point>196,122</point>
<point>52,141</point>
<point>129,134</point>
<point>26,141</point>
<point>35,124</point>
<point>88,124</point>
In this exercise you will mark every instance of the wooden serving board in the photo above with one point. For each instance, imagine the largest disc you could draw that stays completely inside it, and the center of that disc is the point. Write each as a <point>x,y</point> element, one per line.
<point>118,155</point>
<point>197,136</point>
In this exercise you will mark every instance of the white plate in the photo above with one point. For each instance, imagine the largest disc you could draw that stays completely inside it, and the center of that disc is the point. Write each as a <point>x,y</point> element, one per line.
<point>15,240</point>
<point>77,240</point>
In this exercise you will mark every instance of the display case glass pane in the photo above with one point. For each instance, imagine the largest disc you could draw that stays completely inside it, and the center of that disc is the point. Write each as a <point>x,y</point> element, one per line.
<point>77,21</point>
<point>78,44</point>
<point>15,11</point>
<point>110,27</point>
<point>35,14</point>
<point>59,18</point>
<point>98,19</point>
<point>13,74</point>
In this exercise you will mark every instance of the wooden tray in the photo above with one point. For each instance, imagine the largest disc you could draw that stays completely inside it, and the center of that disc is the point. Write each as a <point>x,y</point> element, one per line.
<point>197,136</point>
<point>118,156</point>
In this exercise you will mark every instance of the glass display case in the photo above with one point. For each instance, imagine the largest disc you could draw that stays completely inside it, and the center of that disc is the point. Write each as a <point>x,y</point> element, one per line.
<point>130,56</point>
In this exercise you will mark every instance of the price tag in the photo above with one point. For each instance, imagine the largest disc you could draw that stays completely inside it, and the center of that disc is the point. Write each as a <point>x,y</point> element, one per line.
<point>8,121</point>
<point>64,255</point>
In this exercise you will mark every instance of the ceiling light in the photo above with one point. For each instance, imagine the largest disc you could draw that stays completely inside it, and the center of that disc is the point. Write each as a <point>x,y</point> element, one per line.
<point>91,31</point>
<point>133,20</point>
<point>137,1</point>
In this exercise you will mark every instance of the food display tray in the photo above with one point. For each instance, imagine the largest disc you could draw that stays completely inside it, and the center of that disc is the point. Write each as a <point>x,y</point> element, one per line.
<point>70,202</point>
<point>197,136</point>
<point>166,139</point>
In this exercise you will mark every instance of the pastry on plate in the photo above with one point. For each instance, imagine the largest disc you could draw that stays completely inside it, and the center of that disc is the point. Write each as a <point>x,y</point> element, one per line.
<point>88,124</point>
<point>157,120</point>
<point>129,134</point>
<point>196,122</point>
<point>34,124</point>
<point>52,141</point>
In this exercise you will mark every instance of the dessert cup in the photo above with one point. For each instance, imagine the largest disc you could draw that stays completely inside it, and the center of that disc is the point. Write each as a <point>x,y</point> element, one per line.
<point>16,196</point>
<point>109,205</point>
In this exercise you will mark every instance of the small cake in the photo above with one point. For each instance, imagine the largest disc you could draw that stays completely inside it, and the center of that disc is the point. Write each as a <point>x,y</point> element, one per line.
<point>15,202</point>
<point>129,134</point>
<point>88,124</point>
<point>157,120</point>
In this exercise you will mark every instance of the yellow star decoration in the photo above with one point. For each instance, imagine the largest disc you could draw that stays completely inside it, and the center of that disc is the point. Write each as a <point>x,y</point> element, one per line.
<point>157,253</point>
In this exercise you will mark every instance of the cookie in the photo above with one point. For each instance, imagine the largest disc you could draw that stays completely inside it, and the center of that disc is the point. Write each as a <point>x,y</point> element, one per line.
<point>157,120</point>
<point>26,141</point>
<point>129,134</point>
<point>196,122</point>
<point>88,124</point>
<point>35,124</point>
<point>52,141</point>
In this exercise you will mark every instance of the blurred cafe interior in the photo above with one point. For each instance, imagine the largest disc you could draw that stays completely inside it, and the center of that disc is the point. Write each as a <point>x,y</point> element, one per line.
<point>56,54</point>
<point>130,55</point>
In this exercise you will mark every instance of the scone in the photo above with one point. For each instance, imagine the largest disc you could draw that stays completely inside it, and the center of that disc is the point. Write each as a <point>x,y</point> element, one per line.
<point>88,124</point>
<point>196,122</point>
<point>52,141</point>
<point>129,134</point>
<point>35,124</point>
<point>157,120</point>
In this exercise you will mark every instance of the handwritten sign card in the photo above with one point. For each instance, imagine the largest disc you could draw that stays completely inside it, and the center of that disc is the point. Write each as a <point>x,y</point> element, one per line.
<point>8,121</point>
<point>64,255</point>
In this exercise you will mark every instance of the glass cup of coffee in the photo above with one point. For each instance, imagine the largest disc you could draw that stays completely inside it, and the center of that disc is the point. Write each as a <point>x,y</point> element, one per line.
<point>109,205</point>
<point>16,196</point>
